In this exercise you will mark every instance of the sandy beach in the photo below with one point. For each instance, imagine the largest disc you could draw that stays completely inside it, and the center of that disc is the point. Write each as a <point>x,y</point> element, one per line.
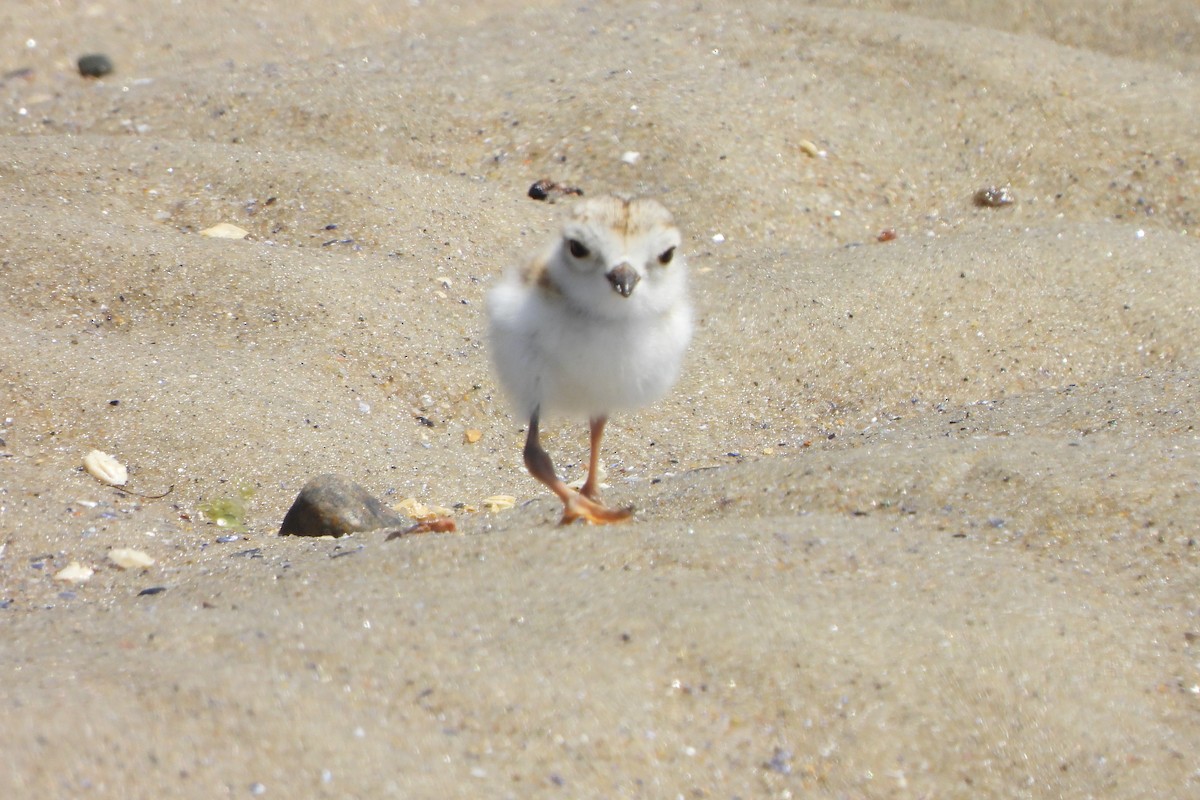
<point>919,520</point>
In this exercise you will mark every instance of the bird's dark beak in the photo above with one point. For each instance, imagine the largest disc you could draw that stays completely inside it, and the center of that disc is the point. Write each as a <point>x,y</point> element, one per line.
<point>623,278</point>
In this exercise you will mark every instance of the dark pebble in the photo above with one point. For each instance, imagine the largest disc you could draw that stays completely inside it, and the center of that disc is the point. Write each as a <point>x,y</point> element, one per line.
<point>330,505</point>
<point>994,197</point>
<point>152,590</point>
<point>95,65</point>
<point>227,538</point>
<point>546,189</point>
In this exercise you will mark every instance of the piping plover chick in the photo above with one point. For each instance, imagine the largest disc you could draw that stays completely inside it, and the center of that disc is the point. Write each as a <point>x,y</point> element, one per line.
<point>597,322</point>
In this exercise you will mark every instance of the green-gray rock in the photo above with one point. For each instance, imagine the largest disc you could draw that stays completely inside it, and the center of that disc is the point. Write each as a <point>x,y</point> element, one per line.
<point>95,65</point>
<point>330,505</point>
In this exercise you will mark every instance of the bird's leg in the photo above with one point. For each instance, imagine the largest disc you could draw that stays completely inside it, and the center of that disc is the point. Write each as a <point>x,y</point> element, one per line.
<point>575,505</point>
<point>538,462</point>
<point>590,488</point>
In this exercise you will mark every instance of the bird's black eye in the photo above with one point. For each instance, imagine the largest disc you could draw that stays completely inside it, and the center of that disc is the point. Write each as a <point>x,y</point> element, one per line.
<point>665,256</point>
<point>577,248</point>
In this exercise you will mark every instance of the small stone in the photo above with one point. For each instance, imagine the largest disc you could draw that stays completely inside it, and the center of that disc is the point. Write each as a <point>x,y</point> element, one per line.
<point>780,762</point>
<point>994,197</point>
<point>94,65</point>
<point>330,505</point>
<point>253,552</point>
<point>548,190</point>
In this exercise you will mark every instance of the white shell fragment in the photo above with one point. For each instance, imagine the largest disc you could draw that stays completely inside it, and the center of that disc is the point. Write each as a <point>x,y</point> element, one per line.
<point>810,149</point>
<point>630,157</point>
<point>105,468</point>
<point>128,558</point>
<point>223,230</point>
<point>499,502</point>
<point>419,511</point>
<point>74,573</point>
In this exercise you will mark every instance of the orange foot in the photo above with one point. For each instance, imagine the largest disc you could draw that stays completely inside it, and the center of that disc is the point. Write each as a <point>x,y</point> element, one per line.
<point>580,507</point>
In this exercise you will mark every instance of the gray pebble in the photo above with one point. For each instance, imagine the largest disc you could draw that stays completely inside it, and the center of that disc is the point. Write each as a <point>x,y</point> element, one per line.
<point>94,65</point>
<point>330,505</point>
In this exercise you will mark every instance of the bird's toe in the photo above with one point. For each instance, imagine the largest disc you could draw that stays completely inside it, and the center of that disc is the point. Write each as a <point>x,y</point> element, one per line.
<point>588,510</point>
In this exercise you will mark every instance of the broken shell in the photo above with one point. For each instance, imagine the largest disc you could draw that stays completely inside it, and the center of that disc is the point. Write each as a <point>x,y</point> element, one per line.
<point>105,468</point>
<point>419,511</point>
<point>223,230</point>
<point>128,558</point>
<point>74,573</point>
<point>499,502</point>
<point>810,149</point>
<point>472,435</point>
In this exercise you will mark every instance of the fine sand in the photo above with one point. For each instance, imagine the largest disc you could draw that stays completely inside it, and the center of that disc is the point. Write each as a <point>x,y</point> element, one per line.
<point>919,521</point>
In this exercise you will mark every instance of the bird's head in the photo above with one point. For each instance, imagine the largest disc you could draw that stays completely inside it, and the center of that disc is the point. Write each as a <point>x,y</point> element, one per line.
<point>620,257</point>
